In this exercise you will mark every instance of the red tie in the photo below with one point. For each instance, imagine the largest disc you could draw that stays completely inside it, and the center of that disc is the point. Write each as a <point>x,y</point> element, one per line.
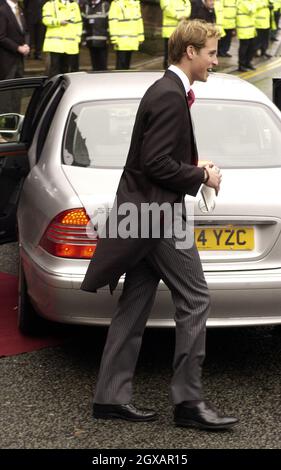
<point>190,98</point>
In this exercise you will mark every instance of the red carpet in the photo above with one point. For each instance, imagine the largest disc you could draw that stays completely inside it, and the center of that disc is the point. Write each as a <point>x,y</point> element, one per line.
<point>12,342</point>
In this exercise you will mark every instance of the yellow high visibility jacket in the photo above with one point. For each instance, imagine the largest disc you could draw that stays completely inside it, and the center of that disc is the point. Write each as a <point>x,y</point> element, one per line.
<point>245,19</point>
<point>262,14</point>
<point>229,14</point>
<point>276,4</point>
<point>172,12</point>
<point>125,25</point>
<point>219,16</point>
<point>62,38</point>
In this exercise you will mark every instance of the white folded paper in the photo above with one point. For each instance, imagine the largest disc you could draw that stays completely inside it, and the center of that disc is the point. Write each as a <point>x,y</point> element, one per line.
<point>209,196</point>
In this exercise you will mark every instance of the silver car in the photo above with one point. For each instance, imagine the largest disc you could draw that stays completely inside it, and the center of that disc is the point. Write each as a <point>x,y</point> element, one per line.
<point>66,160</point>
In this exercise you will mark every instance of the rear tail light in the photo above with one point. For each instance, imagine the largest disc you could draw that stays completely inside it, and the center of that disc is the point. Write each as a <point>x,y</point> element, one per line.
<point>67,236</point>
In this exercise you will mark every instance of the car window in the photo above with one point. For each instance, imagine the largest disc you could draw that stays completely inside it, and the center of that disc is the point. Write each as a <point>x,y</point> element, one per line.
<point>233,134</point>
<point>98,134</point>
<point>50,111</point>
<point>49,89</point>
<point>237,135</point>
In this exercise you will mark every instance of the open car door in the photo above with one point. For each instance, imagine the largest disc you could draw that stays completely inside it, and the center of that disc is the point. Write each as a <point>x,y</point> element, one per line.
<point>19,99</point>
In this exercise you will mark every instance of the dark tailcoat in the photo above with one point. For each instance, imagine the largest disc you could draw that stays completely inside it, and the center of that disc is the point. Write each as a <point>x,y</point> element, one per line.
<point>161,167</point>
<point>11,36</point>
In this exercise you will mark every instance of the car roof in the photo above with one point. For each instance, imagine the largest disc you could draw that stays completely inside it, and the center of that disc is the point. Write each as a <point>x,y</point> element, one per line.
<point>86,86</point>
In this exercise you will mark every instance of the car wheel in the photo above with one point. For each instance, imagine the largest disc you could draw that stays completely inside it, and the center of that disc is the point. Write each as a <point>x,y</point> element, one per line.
<point>29,322</point>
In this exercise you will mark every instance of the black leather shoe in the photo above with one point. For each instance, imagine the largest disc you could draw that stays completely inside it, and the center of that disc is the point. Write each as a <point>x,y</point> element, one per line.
<point>202,416</point>
<point>251,67</point>
<point>267,55</point>
<point>128,412</point>
<point>242,68</point>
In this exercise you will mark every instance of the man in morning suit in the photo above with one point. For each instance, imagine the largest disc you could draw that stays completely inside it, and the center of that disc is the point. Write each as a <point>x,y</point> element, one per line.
<point>13,40</point>
<point>161,167</point>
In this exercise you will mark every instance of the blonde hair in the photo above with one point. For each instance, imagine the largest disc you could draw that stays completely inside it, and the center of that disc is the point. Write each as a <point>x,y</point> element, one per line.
<point>190,33</point>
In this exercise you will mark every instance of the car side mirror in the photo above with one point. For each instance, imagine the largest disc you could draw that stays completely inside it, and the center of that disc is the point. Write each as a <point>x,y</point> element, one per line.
<point>10,125</point>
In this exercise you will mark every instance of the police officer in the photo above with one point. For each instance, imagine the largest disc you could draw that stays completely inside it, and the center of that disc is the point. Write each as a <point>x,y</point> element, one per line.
<point>33,14</point>
<point>246,33</point>
<point>126,30</point>
<point>63,21</point>
<point>95,31</point>
<point>264,17</point>
<point>173,11</point>
<point>229,25</point>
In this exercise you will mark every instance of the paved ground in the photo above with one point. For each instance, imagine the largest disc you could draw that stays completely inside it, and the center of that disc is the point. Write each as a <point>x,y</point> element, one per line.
<point>9,258</point>
<point>46,396</point>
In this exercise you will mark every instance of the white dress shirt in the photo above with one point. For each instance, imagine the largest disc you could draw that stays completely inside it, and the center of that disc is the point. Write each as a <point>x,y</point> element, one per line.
<point>182,76</point>
<point>13,6</point>
<point>15,9</point>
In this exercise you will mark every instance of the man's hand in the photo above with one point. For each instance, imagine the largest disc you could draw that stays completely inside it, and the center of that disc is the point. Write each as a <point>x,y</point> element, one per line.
<point>215,177</point>
<point>24,49</point>
<point>202,163</point>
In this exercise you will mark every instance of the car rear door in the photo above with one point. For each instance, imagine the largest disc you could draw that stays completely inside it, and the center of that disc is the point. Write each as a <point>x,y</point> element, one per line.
<point>19,100</point>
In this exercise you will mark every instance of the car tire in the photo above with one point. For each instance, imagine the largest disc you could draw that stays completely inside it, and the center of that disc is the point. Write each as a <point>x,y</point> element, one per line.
<point>29,322</point>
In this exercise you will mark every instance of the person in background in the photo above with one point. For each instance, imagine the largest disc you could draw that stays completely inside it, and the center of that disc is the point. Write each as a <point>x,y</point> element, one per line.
<point>95,31</point>
<point>33,14</point>
<point>264,22</point>
<point>63,21</point>
<point>204,10</point>
<point>172,12</point>
<point>276,15</point>
<point>14,40</point>
<point>161,168</point>
<point>210,11</point>
<point>126,30</point>
<point>219,16</point>
<point>229,26</point>
<point>246,33</point>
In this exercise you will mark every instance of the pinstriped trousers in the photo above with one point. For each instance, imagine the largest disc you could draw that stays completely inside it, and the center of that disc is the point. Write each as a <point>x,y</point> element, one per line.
<point>181,270</point>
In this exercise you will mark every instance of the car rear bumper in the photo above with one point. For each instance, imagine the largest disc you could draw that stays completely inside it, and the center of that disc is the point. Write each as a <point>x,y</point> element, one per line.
<point>237,298</point>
